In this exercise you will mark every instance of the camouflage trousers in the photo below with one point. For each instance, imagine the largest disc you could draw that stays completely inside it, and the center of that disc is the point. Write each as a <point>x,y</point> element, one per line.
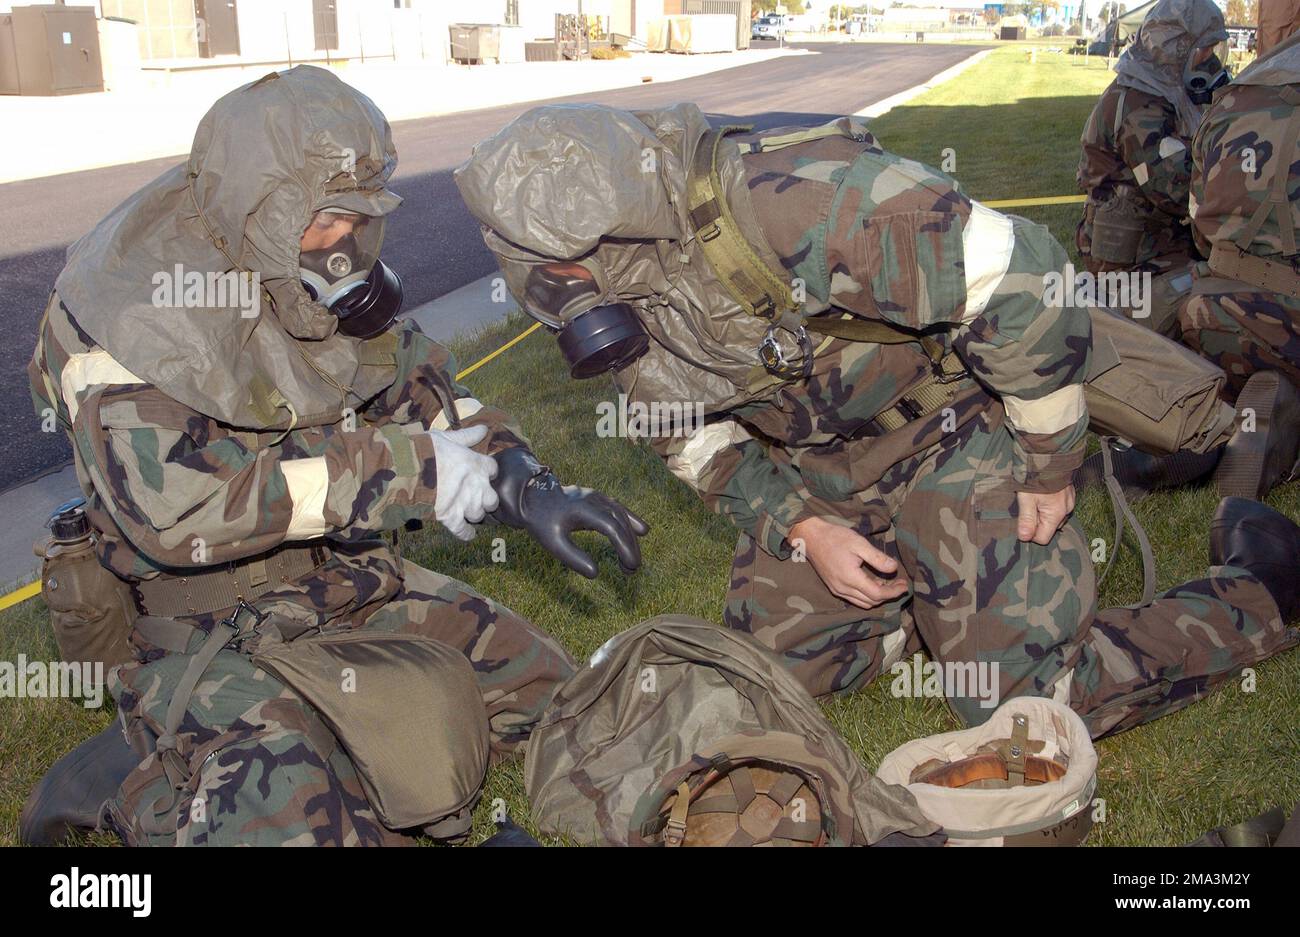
<point>262,768</point>
<point>979,597</point>
<point>1242,331</point>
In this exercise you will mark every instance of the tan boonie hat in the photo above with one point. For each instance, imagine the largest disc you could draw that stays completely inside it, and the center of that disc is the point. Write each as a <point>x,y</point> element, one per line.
<point>749,789</point>
<point>1024,778</point>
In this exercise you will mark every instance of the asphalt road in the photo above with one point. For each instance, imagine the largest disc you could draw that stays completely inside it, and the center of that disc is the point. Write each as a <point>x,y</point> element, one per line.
<point>432,240</point>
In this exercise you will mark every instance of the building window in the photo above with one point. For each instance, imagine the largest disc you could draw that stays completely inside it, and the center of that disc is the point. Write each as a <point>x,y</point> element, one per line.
<point>326,21</point>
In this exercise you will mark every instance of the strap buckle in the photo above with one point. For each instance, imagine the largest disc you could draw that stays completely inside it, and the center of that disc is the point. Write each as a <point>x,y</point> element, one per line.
<point>247,622</point>
<point>943,376</point>
<point>674,832</point>
<point>774,357</point>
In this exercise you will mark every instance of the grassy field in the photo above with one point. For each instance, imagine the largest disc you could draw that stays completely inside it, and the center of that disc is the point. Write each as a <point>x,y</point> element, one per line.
<point>1014,127</point>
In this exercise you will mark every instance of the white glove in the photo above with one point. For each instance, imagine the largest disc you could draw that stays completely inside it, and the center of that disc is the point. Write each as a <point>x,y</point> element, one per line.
<point>465,494</point>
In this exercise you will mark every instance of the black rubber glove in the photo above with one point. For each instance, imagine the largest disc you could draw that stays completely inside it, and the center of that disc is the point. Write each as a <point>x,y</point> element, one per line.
<point>533,499</point>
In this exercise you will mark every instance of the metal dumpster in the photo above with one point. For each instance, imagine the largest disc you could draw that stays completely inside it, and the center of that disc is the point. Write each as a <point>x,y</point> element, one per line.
<point>474,43</point>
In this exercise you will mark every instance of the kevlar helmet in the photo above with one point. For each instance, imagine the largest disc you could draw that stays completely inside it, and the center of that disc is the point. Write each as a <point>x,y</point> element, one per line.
<point>752,789</point>
<point>1024,778</point>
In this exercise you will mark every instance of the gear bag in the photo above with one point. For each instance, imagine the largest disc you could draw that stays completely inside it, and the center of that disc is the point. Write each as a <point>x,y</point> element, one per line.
<point>408,711</point>
<point>1151,391</point>
<point>1024,778</point>
<point>654,698</point>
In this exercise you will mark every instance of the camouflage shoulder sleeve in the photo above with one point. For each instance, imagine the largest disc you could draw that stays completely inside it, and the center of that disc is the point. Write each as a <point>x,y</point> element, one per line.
<point>426,390</point>
<point>905,246</point>
<point>1160,160</point>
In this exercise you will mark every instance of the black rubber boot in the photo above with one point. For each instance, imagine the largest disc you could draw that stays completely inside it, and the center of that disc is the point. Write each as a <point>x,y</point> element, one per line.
<point>71,796</point>
<point>509,834</point>
<point>1253,462</point>
<point>1265,543</point>
<point>1140,474</point>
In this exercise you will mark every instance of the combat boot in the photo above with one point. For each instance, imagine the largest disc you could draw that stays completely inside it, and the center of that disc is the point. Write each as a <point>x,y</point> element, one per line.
<point>1262,541</point>
<point>1253,462</point>
<point>1139,473</point>
<point>72,794</point>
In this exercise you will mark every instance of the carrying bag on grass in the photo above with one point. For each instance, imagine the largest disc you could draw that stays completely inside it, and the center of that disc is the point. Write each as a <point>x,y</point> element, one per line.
<point>1151,391</point>
<point>665,692</point>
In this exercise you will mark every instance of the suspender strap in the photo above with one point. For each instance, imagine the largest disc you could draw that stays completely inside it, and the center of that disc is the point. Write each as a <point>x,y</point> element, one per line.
<point>160,816</point>
<point>1278,199</point>
<point>778,141</point>
<point>752,283</point>
<point>1123,512</point>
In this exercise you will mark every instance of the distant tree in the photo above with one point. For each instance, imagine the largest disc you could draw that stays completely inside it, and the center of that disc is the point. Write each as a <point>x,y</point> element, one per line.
<point>1241,12</point>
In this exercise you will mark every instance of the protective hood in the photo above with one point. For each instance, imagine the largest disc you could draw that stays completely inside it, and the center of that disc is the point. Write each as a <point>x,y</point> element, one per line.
<point>1157,61</point>
<point>607,188</point>
<point>192,283</point>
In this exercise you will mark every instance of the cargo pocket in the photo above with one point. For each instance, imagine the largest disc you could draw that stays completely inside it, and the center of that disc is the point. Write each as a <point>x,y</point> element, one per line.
<point>916,263</point>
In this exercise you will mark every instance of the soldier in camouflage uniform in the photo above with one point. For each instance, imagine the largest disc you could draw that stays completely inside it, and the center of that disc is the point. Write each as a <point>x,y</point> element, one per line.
<point>1135,158</point>
<point>1245,152</point>
<point>265,455</point>
<point>1242,310</point>
<point>923,480</point>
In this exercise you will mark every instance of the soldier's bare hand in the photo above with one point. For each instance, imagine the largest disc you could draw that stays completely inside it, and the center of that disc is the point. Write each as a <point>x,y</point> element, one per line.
<point>1041,516</point>
<point>838,555</point>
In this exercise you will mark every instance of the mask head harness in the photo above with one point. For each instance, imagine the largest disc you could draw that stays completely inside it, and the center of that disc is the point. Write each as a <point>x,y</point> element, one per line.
<point>594,337</point>
<point>348,278</point>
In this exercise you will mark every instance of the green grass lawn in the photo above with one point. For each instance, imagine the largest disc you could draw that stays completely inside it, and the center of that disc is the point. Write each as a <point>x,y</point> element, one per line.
<point>1014,127</point>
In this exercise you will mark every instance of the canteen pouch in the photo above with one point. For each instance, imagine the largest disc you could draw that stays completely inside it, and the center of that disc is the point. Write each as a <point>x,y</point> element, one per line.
<point>1118,225</point>
<point>91,610</point>
<point>408,711</point>
<point>1151,391</point>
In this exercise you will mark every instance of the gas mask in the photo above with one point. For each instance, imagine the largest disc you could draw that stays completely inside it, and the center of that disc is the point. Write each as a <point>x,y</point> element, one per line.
<point>595,337</point>
<point>350,280</point>
<point>1204,79</point>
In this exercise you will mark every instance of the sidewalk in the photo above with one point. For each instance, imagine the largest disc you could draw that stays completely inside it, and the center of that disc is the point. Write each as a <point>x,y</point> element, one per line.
<point>158,118</point>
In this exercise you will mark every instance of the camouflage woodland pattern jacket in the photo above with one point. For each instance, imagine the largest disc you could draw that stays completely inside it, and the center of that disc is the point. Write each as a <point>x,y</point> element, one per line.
<point>1131,139</point>
<point>171,489</point>
<point>886,238</point>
